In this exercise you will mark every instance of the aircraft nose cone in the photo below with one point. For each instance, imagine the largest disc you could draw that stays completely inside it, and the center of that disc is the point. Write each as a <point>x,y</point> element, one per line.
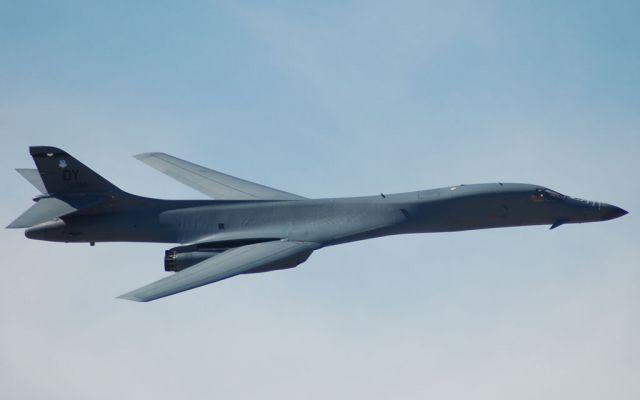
<point>612,212</point>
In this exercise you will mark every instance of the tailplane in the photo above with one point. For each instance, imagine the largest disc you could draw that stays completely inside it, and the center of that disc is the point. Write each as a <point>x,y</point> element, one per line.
<point>66,184</point>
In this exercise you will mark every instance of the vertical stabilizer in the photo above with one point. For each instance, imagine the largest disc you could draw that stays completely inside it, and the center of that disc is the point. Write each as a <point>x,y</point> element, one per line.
<point>61,173</point>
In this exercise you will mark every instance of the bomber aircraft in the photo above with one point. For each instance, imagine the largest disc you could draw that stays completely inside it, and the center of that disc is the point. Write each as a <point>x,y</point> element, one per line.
<point>249,228</point>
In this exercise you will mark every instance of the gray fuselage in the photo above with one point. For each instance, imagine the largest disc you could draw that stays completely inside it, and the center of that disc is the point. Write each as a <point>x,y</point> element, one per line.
<point>326,221</point>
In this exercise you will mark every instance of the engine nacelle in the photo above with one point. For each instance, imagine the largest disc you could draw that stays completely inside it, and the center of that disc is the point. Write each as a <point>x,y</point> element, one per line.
<point>175,260</point>
<point>183,257</point>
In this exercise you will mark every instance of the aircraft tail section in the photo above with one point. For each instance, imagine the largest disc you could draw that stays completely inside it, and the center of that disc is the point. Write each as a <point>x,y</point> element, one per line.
<point>45,210</point>
<point>66,184</point>
<point>62,174</point>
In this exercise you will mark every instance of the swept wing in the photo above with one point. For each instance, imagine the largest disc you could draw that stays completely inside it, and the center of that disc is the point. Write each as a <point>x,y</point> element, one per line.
<point>212,183</point>
<point>240,260</point>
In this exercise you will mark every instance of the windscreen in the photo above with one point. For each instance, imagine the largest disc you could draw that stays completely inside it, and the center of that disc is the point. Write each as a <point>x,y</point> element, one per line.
<point>545,195</point>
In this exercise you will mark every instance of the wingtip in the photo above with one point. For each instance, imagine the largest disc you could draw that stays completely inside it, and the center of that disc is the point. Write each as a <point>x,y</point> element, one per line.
<point>144,156</point>
<point>127,296</point>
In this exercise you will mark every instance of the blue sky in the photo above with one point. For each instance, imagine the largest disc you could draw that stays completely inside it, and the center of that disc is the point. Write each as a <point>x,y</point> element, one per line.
<point>331,99</point>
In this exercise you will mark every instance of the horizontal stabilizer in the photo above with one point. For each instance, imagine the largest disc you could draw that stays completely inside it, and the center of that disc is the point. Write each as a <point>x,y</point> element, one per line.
<point>48,208</point>
<point>240,260</point>
<point>212,183</point>
<point>34,178</point>
<point>44,210</point>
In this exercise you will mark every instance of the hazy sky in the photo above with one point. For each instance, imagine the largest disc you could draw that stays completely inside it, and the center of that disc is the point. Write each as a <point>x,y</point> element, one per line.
<point>330,99</point>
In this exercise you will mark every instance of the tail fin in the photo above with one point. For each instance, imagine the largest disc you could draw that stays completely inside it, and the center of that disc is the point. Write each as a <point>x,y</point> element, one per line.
<point>61,173</point>
<point>66,184</point>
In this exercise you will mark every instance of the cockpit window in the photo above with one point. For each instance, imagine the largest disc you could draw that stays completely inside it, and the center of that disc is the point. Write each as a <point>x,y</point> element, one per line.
<point>545,195</point>
<point>554,195</point>
<point>538,196</point>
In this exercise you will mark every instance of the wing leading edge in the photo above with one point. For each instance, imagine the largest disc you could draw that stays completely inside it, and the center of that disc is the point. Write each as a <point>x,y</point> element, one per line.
<point>212,183</point>
<point>240,260</point>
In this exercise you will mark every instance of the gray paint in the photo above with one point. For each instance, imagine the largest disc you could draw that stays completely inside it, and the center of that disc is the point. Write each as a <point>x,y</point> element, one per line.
<point>210,182</point>
<point>269,227</point>
<point>33,177</point>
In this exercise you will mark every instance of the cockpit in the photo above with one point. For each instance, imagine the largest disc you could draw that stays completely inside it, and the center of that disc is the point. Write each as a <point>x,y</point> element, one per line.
<point>546,195</point>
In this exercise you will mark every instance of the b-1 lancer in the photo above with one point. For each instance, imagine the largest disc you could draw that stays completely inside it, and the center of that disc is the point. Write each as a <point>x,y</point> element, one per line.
<point>250,228</point>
